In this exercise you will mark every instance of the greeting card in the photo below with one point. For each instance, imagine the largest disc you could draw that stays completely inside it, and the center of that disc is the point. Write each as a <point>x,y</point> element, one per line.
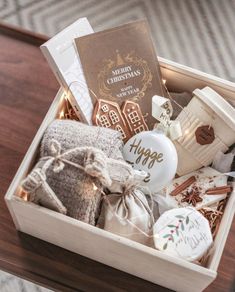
<point>120,64</point>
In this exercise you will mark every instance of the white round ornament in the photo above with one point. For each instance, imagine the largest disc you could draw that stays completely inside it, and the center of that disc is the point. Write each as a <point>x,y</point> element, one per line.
<point>184,233</point>
<point>154,153</point>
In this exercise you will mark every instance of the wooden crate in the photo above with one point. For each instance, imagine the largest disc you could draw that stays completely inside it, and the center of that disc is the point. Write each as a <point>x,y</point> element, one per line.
<point>108,248</point>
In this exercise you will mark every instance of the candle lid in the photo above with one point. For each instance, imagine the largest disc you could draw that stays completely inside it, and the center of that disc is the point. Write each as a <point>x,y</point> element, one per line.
<point>218,104</point>
<point>184,233</point>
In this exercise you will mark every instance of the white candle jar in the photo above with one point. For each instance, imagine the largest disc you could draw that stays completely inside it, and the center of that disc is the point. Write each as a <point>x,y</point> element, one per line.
<point>208,126</point>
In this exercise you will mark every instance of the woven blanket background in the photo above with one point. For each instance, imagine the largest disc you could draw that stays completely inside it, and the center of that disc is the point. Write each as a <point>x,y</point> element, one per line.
<point>197,33</point>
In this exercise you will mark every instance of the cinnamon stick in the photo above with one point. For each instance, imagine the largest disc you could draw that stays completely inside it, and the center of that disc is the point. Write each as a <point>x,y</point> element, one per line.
<point>183,186</point>
<point>219,190</point>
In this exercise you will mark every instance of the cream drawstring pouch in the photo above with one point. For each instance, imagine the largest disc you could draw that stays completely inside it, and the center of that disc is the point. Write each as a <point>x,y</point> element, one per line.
<point>128,214</point>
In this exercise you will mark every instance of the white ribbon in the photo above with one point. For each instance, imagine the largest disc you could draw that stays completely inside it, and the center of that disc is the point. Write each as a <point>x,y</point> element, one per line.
<point>162,111</point>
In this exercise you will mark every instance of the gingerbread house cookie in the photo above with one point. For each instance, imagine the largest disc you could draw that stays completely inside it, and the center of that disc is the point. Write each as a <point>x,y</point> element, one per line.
<point>108,114</point>
<point>133,116</point>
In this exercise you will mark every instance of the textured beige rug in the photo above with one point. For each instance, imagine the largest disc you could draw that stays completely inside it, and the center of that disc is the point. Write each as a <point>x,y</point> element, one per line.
<point>10,283</point>
<point>198,33</point>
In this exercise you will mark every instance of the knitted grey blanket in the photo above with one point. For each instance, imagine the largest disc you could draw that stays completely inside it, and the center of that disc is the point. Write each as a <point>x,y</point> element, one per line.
<point>76,162</point>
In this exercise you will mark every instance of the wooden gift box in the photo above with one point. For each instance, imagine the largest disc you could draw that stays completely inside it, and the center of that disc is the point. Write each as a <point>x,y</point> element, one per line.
<point>116,251</point>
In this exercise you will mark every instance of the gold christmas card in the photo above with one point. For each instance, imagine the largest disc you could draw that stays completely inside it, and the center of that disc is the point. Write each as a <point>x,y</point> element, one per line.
<point>120,64</point>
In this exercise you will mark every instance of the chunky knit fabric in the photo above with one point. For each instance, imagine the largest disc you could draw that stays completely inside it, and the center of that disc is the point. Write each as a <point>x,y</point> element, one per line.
<point>40,192</point>
<point>77,162</point>
<point>72,134</point>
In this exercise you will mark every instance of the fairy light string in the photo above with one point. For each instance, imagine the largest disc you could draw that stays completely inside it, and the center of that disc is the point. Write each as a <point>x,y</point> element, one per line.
<point>69,113</point>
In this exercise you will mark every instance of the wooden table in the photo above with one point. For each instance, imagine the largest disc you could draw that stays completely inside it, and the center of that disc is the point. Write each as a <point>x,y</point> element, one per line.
<point>27,87</point>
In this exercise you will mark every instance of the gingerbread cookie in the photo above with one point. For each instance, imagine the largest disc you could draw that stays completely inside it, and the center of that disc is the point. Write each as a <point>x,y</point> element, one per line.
<point>128,119</point>
<point>108,114</point>
<point>132,113</point>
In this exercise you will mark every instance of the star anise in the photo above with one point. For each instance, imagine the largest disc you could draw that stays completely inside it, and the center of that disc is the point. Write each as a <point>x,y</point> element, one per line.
<point>191,197</point>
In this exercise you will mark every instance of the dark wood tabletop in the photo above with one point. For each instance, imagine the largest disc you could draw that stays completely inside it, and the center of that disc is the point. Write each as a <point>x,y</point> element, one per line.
<point>27,88</point>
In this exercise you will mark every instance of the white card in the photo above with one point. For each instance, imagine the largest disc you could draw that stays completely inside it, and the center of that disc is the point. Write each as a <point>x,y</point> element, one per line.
<point>61,54</point>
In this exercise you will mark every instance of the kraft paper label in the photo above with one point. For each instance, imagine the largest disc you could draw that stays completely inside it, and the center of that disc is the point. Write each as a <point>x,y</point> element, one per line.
<point>205,135</point>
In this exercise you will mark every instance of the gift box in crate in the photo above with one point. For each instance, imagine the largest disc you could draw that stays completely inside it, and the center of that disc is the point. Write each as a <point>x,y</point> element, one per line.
<point>108,248</point>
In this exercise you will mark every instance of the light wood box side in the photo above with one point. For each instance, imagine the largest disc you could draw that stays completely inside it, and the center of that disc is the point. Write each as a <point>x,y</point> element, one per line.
<point>123,254</point>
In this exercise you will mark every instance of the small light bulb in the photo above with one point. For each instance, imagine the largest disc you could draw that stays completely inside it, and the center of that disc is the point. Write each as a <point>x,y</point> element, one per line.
<point>25,197</point>
<point>61,114</point>
<point>23,194</point>
<point>95,187</point>
<point>164,81</point>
